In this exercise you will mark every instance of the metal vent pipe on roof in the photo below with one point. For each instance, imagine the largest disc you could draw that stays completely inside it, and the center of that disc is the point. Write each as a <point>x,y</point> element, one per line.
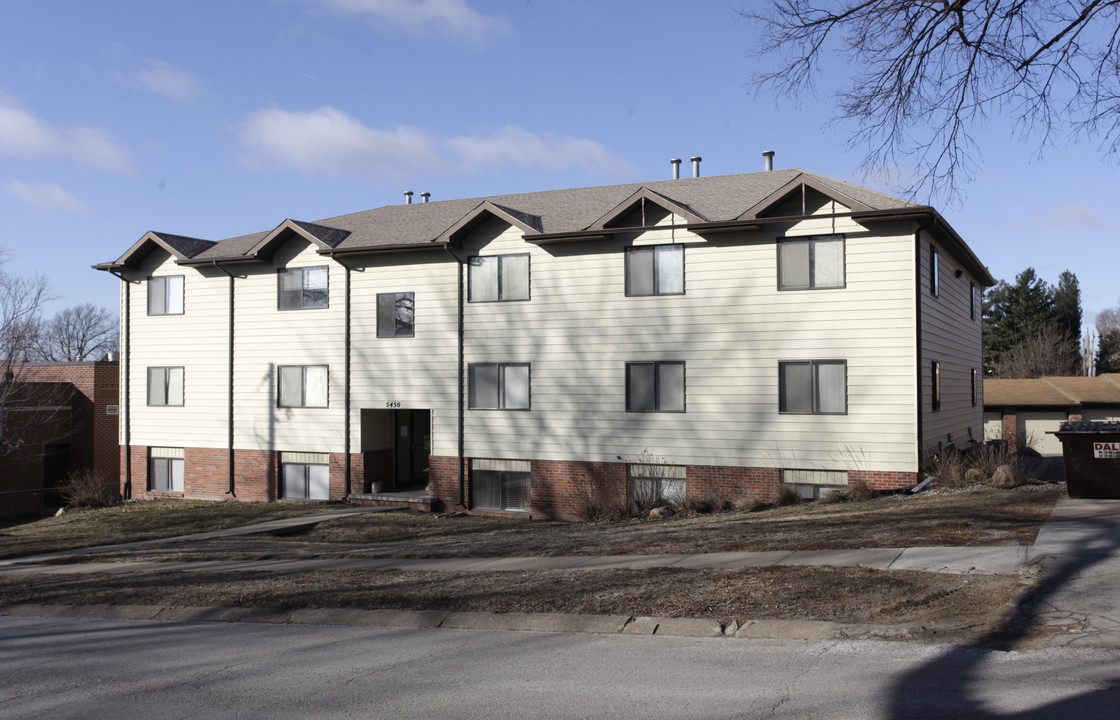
<point>769,155</point>
<point>695,165</point>
<point>426,196</point>
<point>676,162</point>
<point>407,197</point>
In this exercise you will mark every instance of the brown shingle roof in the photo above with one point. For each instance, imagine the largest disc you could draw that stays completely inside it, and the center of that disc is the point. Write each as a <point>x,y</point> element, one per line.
<point>1052,391</point>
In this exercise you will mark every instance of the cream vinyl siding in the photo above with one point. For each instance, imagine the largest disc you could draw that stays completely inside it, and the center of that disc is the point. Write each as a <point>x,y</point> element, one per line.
<point>993,426</point>
<point>196,341</point>
<point>952,338</point>
<point>267,337</point>
<point>417,372</point>
<point>731,328</point>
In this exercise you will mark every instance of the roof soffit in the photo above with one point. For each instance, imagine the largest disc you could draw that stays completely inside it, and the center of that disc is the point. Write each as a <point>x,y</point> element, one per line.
<point>180,247</point>
<point>321,236</point>
<point>637,199</point>
<point>527,223</point>
<point>798,185</point>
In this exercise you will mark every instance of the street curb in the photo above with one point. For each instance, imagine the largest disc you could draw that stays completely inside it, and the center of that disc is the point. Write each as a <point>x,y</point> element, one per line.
<point>532,622</point>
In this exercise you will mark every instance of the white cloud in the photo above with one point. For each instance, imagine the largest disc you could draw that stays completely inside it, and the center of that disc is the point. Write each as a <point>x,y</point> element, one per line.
<point>451,17</point>
<point>329,142</point>
<point>47,195</point>
<point>24,135</point>
<point>1072,214</point>
<point>520,147</point>
<point>170,80</point>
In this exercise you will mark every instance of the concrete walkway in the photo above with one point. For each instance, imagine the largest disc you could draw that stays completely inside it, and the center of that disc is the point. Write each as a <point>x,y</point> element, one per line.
<point>1077,550</point>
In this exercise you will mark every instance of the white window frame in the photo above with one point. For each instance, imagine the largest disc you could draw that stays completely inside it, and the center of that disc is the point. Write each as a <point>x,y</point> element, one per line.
<point>172,470</point>
<point>307,295</point>
<point>506,290</point>
<point>660,396</point>
<point>165,380</point>
<point>503,399</point>
<point>658,275</point>
<point>514,482</point>
<point>171,290</point>
<point>281,395</point>
<point>812,241</point>
<point>389,325</point>
<point>315,480</point>
<point>815,387</point>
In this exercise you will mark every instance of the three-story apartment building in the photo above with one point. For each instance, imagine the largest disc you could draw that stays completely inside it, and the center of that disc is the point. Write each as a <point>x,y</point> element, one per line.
<point>550,352</point>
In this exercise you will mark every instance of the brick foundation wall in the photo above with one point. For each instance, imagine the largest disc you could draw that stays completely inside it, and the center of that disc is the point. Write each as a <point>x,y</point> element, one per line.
<point>569,490</point>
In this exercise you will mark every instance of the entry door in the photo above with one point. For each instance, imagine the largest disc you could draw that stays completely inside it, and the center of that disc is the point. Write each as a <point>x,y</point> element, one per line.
<point>413,434</point>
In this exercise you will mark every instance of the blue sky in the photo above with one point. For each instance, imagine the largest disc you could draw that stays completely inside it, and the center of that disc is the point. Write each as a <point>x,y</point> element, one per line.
<point>216,118</point>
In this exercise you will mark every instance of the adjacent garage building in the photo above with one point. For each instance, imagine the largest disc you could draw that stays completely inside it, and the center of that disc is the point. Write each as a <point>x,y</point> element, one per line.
<point>1026,413</point>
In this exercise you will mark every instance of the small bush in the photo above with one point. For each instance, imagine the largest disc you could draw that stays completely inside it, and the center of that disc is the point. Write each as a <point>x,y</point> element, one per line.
<point>86,489</point>
<point>859,491</point>
<point>748,502</point>
<point>787,495</point>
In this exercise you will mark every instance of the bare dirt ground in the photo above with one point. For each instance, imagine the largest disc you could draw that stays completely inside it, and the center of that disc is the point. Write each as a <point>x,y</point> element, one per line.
<point>949,608</point>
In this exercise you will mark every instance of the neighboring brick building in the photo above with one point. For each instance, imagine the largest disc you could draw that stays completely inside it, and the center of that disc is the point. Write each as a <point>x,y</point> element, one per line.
<point>65,416</point>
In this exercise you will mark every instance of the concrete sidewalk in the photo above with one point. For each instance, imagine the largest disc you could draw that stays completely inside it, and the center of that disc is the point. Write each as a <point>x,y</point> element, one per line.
<point>1077,551</point>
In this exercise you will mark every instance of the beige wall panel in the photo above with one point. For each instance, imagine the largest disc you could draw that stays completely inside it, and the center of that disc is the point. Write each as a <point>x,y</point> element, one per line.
<point>1101,415</point>
<point>197,341</point>
<point>731,327</point>
<point>267,337</point>
<point>417,372</point>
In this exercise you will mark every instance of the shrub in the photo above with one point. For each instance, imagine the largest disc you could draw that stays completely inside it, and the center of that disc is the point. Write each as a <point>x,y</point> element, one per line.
<point>859,491</point>
<point>748,502</point>
<point>86,489</point>
<point>787,495</point>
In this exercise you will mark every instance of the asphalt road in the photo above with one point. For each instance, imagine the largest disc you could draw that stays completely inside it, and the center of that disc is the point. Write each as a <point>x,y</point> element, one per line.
<point>92,669</point>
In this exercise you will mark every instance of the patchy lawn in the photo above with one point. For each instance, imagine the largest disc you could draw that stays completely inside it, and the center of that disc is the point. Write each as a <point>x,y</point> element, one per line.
<point>959,518</point>
<point>941,607</point>
<point>137,521</point>
<point>936,606</point>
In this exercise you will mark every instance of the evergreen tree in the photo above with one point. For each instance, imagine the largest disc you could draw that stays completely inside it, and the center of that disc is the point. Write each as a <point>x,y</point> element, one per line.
<point>1014,313</point>
<point>1108,344</point>
<point>1067,313</point>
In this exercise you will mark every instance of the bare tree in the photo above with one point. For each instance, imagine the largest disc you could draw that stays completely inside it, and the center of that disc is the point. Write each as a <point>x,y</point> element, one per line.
<point>927,73</point>
<point>20,302</point>
<point>1051,351</point>
<point>82,332</point>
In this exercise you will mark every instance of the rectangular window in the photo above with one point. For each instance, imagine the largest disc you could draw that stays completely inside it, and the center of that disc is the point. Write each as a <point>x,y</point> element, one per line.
<point>933,269</point>
<point>395,314</point>
<point>303,288</point>
<point>303,386</point>
<point>494,386</point>
<point>974,387</point>
<point>972,301</point>
<point>498,277</point>
<point>655,270</point>
<point>500,485</point>
<point>935,384</point>
<point>165,470</point>
<point>654,484</point>
<point>305,481</point>
<point>812,263</point>
<point>165,386</point>
<point>165,295</point>
<point>817,387</point>
<point>655,387</point>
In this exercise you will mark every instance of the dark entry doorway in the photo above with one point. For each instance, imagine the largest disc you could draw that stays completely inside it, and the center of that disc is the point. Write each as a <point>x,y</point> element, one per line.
<point>412,433</point>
